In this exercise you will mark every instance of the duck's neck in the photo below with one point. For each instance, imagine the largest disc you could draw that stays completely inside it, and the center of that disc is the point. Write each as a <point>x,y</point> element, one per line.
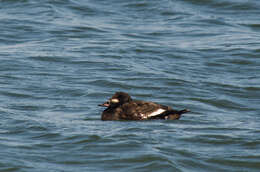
<point>108,114</point>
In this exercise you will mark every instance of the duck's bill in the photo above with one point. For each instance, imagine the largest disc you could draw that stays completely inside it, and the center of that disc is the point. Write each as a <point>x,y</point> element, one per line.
<point>104,104</point>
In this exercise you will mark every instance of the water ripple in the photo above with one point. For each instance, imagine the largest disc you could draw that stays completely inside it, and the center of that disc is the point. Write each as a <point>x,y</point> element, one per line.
<point>60,59</point>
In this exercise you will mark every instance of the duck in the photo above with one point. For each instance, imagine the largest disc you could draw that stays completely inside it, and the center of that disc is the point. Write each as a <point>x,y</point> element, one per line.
<point>122,107</point>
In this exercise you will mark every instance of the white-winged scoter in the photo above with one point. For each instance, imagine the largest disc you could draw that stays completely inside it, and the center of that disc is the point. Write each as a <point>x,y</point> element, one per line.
<point>122,107</point>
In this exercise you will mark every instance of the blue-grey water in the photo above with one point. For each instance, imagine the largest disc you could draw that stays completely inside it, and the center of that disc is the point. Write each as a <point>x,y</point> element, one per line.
<point>59,59</point>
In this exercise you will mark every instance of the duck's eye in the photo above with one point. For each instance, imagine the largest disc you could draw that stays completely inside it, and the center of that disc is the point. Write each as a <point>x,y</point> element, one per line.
<point>114,100</point>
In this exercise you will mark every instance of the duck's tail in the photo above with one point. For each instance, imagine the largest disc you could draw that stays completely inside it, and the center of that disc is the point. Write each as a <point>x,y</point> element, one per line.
<point>176,115</point>
<point>184,111</point>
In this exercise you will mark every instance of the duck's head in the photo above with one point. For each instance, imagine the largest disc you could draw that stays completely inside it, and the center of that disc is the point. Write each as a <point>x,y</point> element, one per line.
<point>117,99</point>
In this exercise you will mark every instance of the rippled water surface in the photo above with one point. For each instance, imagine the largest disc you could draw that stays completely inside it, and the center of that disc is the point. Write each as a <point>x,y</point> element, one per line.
<point>60,59</point>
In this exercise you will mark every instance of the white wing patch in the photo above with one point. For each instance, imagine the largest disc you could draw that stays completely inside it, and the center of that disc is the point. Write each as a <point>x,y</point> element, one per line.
<point>143,116</point>
<point>157,112</point>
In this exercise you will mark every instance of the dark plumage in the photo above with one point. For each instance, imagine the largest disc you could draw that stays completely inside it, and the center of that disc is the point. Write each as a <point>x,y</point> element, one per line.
<point>122,107</point>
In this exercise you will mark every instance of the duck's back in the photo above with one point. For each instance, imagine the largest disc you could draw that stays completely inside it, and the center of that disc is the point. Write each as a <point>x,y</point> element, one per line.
<point>140,110</point>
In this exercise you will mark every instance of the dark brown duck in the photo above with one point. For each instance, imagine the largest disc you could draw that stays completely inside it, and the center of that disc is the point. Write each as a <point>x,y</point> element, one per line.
<point>122,107</point>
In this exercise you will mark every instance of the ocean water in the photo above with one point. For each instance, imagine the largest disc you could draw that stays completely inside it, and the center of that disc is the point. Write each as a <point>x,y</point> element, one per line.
<point>59,59</point>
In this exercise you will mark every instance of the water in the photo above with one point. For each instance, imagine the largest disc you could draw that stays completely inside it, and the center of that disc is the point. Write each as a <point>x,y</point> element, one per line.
<point>60,59</point>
